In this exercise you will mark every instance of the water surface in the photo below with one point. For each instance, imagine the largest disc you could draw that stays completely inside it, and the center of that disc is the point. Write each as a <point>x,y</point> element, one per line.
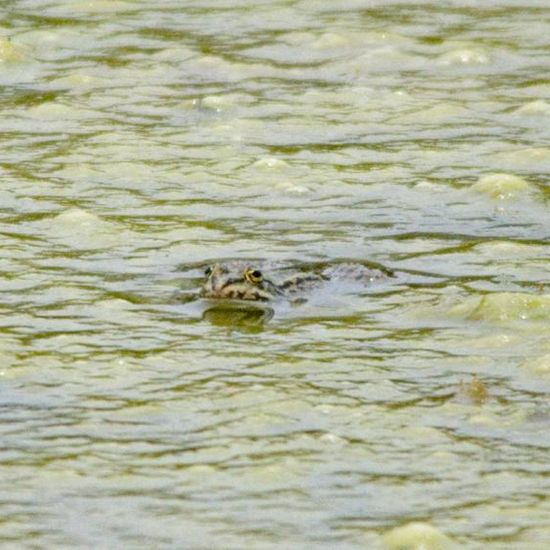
<point>144,140</point>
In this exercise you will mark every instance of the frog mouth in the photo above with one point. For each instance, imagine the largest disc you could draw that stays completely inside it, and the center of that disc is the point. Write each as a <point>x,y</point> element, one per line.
<point>235,290</point>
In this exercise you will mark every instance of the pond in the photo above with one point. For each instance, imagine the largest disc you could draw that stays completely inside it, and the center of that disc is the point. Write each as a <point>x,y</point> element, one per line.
<point>145,141</point>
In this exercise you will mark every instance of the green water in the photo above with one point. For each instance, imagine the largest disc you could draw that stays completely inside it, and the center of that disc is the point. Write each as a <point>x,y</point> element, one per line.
<point>143,140</point>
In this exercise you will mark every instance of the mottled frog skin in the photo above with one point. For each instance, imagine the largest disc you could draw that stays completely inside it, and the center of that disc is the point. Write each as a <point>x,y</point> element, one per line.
<point>241,281</point>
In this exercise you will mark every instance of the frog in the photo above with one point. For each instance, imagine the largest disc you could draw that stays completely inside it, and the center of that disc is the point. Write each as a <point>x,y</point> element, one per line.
<point>248,282</point>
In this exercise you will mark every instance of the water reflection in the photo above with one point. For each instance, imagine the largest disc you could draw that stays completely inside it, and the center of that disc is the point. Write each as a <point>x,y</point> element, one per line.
<point>242,317</point>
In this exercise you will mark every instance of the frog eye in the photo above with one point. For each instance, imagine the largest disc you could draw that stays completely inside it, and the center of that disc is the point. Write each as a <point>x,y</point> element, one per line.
<point>253,276</point>
<point>208,271</point>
